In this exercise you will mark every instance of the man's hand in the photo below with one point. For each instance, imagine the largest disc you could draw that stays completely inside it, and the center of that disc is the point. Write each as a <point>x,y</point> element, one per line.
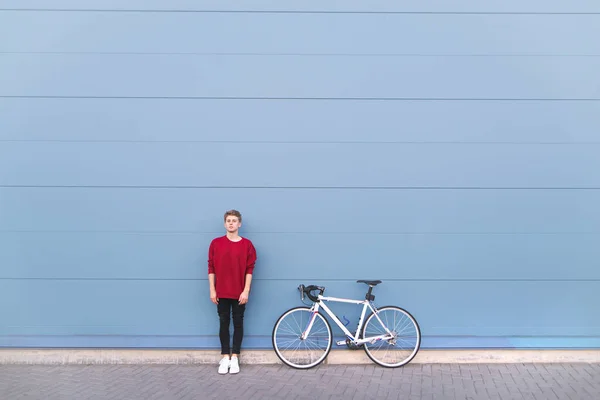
<point>244,297</point>
<point>213,296</point>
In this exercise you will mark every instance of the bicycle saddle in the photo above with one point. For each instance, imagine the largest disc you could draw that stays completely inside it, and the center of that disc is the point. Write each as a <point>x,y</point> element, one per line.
<point>370,283</point>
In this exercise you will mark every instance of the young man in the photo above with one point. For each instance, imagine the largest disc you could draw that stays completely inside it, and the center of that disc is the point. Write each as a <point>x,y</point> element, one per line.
<point>231,261</point>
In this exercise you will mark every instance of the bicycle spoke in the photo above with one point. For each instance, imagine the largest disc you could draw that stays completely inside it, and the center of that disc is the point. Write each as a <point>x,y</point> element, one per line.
<point>297,352</point>
<point>398,349</point>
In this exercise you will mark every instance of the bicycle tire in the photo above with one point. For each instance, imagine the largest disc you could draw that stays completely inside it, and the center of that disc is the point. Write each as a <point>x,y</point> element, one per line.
<point>279,352</point>
<point>414,350</point>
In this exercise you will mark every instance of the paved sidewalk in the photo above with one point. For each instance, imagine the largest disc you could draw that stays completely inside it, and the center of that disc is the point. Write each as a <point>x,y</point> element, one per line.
<point>419,381</point>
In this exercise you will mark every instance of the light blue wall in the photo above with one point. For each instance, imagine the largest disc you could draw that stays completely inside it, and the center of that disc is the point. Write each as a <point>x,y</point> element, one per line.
<point>451,149</point>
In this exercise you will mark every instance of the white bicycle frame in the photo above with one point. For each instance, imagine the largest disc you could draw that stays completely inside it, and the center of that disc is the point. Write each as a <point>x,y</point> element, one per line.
<point>366,305</point>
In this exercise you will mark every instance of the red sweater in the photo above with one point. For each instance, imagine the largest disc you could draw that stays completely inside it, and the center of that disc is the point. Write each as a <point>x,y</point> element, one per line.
<point>230,262</point>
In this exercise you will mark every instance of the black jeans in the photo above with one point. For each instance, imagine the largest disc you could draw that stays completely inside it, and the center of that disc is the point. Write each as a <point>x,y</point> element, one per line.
<point>225,309</point>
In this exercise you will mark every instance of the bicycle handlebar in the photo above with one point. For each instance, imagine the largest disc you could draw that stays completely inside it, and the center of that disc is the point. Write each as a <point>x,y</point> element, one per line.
<point>308,289</point>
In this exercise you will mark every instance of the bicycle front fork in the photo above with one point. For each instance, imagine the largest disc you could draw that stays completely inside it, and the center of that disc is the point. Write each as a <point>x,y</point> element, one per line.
<point>310,324</point>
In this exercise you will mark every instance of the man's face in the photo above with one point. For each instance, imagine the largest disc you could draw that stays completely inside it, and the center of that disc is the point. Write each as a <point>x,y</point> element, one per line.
<point>232,223</point>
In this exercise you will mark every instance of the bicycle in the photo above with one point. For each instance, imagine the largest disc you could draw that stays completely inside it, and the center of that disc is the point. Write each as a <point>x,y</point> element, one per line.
<point>302,336</point>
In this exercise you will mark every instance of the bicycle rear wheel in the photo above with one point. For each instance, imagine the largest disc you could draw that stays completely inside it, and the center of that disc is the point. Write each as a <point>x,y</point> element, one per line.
<point>404,345</point>
<point>294,351</point>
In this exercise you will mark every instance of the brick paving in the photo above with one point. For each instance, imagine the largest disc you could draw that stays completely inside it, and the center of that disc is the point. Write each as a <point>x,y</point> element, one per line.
<point>418,381</point>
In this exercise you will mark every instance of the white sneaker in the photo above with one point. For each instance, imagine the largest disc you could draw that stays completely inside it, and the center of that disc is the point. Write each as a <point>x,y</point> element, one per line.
<point>223,365</point>
<point>234,366</point>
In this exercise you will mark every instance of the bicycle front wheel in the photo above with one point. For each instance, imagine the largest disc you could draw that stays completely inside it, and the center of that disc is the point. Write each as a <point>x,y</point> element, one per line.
<point>291,348</point>
<point>406,337</point>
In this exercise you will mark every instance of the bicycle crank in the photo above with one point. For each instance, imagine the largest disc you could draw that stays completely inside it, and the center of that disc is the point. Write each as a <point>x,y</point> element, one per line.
<point>353,346</point>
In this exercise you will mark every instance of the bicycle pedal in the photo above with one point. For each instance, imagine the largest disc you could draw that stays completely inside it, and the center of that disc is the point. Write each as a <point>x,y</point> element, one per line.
<point>341,343</point>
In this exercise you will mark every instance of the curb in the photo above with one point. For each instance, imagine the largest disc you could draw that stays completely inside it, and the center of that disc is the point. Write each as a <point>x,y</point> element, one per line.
<point>336,357</point>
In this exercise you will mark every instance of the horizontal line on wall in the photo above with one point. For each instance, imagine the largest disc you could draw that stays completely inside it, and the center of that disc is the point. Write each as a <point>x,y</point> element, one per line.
<point>257,342</point>
<point>235,54</point>
<point>456,142</point>
<point>298,11</point>
<point>255,336</point>
<point>295,98</point>
<point>171,341</point>
<point>219,233</point>
<point>307,281</point>
<point>300,187</point>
